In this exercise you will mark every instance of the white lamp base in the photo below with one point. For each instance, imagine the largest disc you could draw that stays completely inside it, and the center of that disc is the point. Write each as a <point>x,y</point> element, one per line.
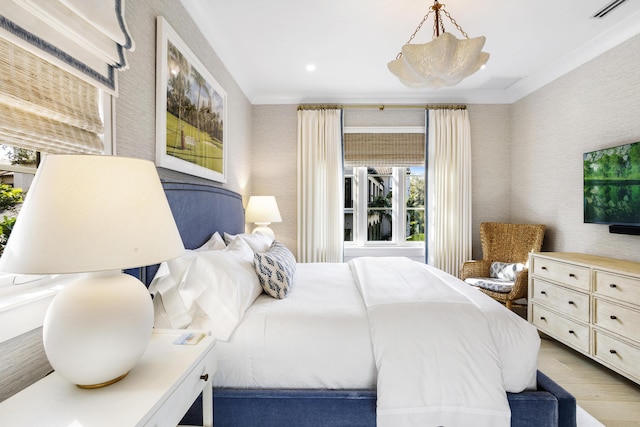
<point>264,229</point>
<point>97,328</point>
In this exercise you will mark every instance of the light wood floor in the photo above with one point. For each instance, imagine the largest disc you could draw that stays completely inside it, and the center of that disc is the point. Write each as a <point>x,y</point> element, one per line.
<point>609,397</point>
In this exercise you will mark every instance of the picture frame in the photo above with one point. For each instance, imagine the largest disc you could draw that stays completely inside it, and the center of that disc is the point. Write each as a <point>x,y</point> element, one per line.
<point>191,111</point>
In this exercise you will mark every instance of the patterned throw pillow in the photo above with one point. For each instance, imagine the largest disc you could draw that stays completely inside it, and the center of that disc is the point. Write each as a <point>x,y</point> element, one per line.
<point>276,269</point>
<point>505,271</point>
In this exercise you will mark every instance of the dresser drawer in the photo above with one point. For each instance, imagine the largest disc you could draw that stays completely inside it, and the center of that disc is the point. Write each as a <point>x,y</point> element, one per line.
<point>185,394</point>
<point>567,274</point>
<point>616,318</point>
<point>620,355</point>
<point>623,288</point>
<point>570,303</point>
<point>569,332</point>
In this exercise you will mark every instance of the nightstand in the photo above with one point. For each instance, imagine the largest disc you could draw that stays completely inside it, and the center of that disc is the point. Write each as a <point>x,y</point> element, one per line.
<point>157,392</point>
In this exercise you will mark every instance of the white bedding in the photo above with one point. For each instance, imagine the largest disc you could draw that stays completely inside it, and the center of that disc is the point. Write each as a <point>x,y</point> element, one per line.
<point>317,337</point>
<point>378,323</point>
<point>440,349</point>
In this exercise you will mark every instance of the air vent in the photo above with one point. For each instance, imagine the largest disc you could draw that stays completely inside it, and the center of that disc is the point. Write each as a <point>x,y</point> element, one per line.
<point>608,8</point>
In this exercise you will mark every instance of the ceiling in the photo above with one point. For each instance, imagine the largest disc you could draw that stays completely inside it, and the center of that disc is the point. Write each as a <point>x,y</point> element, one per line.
<point>267,45</point>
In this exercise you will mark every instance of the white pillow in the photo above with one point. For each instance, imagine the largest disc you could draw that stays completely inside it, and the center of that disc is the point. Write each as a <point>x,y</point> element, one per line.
<point>208,290</point>
<point>258,242</point>
<point>215,243</point>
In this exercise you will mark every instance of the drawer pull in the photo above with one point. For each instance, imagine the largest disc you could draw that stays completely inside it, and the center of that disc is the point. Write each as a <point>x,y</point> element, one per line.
<point>543,268</point>
<point>613,285</point>
<point>613,317</point>
<point>612,351</point>
<point>204,377</point>
<point>572,303</point>
<point>572,275</point>
<point>571,332</point>
<point>543,318</point>
<point>543,292</point>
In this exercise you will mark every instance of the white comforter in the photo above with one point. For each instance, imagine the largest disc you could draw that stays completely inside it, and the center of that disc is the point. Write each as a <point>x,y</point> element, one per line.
<point>445,353</point>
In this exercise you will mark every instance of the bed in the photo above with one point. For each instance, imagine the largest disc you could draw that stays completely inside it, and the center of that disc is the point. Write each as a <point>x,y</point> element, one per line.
<point>350,396</point>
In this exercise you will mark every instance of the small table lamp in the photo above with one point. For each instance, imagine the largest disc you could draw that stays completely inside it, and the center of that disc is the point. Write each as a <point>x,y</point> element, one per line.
<point>263,210</point>
<point>94,215</point>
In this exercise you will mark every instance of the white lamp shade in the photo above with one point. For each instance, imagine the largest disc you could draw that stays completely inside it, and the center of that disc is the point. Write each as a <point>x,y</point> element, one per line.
<point>262,210</point>
<point>91,213</point>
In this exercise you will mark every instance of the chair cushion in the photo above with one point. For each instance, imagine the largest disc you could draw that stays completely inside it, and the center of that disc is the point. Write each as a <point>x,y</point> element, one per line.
<point>491,283</point>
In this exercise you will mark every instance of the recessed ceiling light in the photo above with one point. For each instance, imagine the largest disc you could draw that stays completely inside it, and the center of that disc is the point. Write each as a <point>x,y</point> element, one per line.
<point>311,68</point>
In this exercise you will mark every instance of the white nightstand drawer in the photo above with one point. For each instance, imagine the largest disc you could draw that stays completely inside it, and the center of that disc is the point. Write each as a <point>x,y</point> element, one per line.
<point>616,318</point>
<point>623,288</point>
<point>572,333</point>
<point>567,274</point>
<point>618,354</point>
<point>571,303</point>
<point>179,402</point>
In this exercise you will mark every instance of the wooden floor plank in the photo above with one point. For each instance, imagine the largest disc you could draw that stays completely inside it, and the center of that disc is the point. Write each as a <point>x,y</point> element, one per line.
<point>609,397</point>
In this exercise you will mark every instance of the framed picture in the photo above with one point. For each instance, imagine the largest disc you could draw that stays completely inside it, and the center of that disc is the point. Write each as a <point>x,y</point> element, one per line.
<point>191,111</point>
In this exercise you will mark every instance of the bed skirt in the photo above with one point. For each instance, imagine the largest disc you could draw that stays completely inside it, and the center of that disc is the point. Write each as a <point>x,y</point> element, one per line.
<point>549,406</point>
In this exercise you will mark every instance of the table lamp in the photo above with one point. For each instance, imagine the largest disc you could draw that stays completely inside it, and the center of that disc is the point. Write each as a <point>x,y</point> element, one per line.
<point>94,215</point>
<point>263,210</point>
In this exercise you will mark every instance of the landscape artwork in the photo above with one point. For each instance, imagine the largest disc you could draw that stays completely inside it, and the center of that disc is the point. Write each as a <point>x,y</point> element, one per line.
<point>612,185</point>
<point>191,111</point>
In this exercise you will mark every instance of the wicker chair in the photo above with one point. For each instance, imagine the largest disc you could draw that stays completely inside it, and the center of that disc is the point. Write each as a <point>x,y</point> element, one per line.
<point>508,243</point>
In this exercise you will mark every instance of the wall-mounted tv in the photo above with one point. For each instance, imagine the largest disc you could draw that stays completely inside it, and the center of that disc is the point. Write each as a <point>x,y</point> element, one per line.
<point>612,188</point>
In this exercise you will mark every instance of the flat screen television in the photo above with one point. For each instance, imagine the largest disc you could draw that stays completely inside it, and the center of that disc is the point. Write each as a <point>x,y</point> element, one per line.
<point>612,188</point>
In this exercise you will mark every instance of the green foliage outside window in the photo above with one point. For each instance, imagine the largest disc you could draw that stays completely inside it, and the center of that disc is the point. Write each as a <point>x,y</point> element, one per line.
<point>9,198</point>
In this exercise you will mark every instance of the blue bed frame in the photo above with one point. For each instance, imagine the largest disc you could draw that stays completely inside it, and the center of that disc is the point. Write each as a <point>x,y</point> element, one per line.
<point>199,211</point>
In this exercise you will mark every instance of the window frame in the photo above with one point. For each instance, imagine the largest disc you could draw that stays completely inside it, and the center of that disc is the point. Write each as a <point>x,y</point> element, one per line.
<point>24,299</point>
<point>398,208</point>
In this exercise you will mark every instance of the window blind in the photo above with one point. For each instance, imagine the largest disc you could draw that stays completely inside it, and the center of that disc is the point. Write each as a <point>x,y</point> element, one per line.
<point>88,38</point>
<point>384,149</point>
<point>45,108</point>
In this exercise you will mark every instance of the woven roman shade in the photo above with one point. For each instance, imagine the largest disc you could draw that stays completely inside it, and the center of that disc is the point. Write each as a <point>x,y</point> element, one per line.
<point>88,38</point>
<point>44,108</point>
<point>384,149</point>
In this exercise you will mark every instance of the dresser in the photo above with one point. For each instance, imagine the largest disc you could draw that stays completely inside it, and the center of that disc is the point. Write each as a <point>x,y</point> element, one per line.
<point>157,392</point>
<point>590,303</point>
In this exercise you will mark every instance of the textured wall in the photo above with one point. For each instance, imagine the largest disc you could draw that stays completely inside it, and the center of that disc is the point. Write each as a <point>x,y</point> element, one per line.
<point>136,105</point>
<point>492,168</point>
<point>592,107</point>
<point>274,165</point>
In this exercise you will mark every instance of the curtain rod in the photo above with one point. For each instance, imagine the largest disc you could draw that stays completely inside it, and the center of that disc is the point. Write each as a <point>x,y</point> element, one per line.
<point>381,107</point>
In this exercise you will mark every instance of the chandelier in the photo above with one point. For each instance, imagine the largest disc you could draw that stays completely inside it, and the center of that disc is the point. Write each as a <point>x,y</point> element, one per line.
<point>444,61</point>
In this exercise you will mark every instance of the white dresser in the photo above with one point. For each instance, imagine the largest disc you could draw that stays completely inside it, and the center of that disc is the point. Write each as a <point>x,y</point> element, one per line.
<point>589,303</point>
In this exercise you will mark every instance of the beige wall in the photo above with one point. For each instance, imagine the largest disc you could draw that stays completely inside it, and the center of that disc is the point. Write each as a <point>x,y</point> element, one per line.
<point>594,106</point>
<point>274,165</point>
<point>136,105</point>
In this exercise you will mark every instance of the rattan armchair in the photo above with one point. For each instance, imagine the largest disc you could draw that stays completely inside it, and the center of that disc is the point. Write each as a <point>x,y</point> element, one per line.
<point>509,243</point>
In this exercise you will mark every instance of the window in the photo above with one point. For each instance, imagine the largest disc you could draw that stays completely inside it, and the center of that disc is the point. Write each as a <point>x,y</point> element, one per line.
<point>384,191</point>
<point>384,206</point>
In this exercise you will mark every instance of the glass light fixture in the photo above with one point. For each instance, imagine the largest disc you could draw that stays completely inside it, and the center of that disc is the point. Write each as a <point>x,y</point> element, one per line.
<point>444,61</point>
<point>263,210</point>
<point>94,215</point>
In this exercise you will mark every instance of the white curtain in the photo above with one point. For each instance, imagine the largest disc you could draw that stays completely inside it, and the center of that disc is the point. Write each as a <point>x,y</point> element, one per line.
<point>449,189</point>
<point>320,186</point>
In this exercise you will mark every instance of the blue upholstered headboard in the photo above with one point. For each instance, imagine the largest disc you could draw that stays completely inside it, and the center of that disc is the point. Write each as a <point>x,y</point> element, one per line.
<point>199,211</point>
